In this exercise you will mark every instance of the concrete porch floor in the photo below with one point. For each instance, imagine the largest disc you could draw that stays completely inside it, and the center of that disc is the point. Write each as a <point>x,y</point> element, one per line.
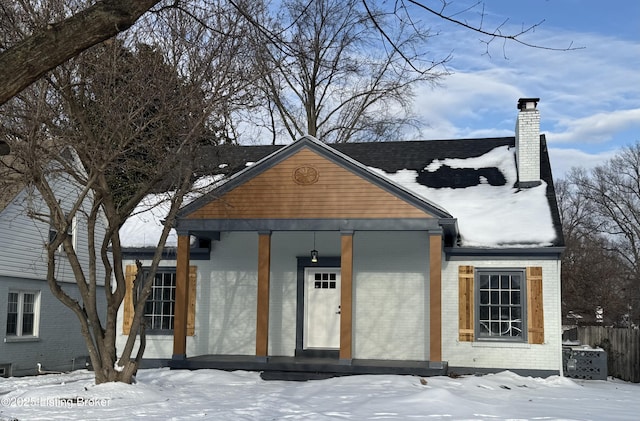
<point>305,368</point>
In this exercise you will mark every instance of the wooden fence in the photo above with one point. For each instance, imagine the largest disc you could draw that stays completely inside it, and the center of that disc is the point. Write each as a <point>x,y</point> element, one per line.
<point>622,347</point>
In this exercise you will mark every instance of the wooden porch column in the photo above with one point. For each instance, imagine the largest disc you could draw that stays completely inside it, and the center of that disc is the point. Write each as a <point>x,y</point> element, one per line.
<point>346,296</point>
<point>435,297</point>
<point>264,270</point>
<point>182,297</point>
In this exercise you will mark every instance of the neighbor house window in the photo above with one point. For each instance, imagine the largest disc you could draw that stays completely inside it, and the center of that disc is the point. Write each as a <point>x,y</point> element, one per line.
<point>500,305</point>
<point>22,312</point>
<point>160,306</point>
<point>71,232</point>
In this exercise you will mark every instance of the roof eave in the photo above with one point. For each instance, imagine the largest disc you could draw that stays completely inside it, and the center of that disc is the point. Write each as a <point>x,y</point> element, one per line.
<point>508,253</point>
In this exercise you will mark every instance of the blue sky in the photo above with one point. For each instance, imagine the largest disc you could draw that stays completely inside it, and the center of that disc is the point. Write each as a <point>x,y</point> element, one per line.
<point>589,97</point>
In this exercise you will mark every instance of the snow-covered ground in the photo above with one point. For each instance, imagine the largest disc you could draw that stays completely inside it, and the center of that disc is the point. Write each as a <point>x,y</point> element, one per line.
<point>161,394</point>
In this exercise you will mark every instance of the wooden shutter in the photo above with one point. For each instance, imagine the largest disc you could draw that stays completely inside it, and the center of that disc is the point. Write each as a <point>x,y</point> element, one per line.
<point>465,303</point>
<point>535,315</point>
<point>191,304</point>
<point>127,313</point>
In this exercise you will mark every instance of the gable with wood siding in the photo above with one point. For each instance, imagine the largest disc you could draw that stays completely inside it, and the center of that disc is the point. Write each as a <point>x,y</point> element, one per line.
<point>285,191</point>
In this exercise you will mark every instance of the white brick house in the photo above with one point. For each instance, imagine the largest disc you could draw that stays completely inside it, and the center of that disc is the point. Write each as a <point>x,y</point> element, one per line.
<point>410,257</point>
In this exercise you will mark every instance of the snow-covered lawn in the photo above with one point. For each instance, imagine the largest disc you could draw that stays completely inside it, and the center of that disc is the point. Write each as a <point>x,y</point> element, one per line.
<point>161,394</point>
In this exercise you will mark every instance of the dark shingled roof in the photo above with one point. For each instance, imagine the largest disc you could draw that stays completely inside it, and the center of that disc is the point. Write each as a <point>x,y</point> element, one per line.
<point>394,156</point>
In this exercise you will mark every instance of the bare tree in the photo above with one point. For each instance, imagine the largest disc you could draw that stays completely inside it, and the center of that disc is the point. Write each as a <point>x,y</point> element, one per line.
<point>611,197</point>
<point>327,73</point>
<point>592,275</point>
<point>28,56</point>
<point>119,122</point>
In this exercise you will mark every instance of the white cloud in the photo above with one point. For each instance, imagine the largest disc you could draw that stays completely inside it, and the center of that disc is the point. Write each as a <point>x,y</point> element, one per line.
<point>588,96</point>
<point>597,128</point>
<point>562,160</point>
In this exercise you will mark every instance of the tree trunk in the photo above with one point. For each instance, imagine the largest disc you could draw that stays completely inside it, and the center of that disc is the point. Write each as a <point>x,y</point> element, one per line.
<point>27,61</point>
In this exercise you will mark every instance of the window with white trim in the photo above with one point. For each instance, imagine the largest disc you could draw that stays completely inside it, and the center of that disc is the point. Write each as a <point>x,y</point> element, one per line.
<point>22,313</point>
<point>160,306</point>
<point>500,305</point>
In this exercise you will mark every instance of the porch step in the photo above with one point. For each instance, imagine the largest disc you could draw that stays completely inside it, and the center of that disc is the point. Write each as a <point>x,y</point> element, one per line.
<point>304,368</point>
<point>296,376</point>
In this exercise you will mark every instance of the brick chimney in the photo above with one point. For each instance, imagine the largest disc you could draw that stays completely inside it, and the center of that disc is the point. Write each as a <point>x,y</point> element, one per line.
<point>528,143</point>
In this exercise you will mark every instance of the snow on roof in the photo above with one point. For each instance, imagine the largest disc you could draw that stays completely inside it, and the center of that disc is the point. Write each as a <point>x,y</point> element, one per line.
<point>144,227</point>
<point>488,215</point>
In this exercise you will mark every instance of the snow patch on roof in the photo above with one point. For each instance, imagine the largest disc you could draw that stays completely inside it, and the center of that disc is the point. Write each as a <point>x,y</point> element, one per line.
<point>489,216</point>
<point>144,227</point>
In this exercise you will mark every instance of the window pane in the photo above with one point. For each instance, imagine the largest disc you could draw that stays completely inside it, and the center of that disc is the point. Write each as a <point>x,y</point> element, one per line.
<point>495,297</point>
<point>516,329</point>
<point>27,324</point>
<point>494,281</point>
<point>504,297</point>
<point>516,282</point>
<point>516,313</point>
<point>515,297</point>
<point>165,323</point>
<point>484,329</point>
<point>167,280</point>
<point>484,297</point>
<point>484,281</point>
<point>13,303</point>
<point>12,324</point>
<point>504,281</point>
<point>484,313</point>
<point>28,302</point>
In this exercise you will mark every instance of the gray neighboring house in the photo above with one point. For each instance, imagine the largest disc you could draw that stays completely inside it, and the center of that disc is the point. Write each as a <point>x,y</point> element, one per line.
<point>35,326</point>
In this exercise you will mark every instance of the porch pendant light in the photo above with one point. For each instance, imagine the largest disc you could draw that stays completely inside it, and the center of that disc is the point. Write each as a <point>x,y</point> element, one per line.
<point>314,252</point>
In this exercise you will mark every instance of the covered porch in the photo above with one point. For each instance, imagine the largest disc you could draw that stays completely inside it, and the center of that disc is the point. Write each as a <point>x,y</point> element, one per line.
<point>373,304</point>
<point>341,358</point>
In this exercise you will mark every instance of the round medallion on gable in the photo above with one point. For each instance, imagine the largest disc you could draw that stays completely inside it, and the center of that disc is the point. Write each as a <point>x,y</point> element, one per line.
<point>305,175</point>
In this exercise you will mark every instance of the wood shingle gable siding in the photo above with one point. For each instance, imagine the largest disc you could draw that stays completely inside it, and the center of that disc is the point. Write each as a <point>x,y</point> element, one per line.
<point>466,304</point>
<point>334,192</point>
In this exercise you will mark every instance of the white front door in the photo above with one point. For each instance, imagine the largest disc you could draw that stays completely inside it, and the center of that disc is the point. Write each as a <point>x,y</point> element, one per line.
<point>322,308</point>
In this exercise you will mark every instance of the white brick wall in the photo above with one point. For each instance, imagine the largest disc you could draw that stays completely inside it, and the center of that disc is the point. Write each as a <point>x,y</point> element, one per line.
<point>391,295</point>
<point>546,356</point>
<point>227,297</point>
<point>528,145</point>
<point>226,291</point>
